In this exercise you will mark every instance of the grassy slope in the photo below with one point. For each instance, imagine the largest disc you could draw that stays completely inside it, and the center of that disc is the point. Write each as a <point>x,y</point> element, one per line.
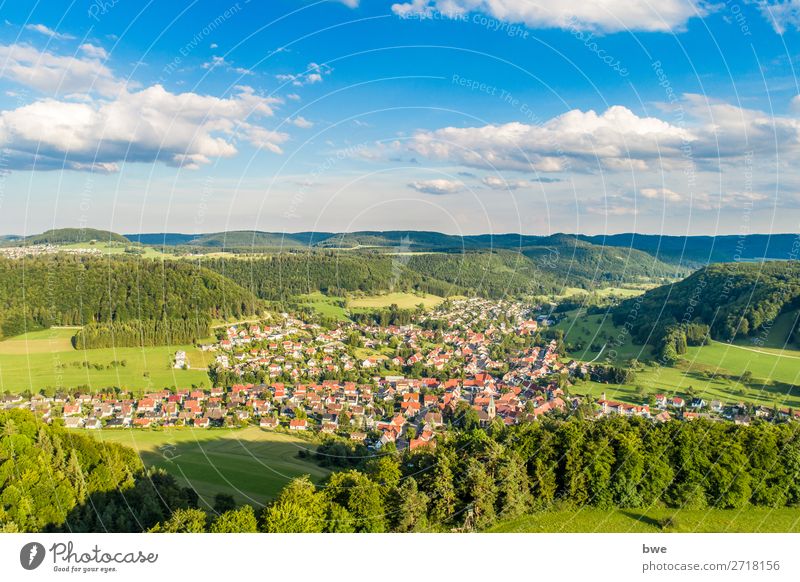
<point>776,372</point>
<point>45,359</point>
<point>590,520</point>
<point>251,464</point>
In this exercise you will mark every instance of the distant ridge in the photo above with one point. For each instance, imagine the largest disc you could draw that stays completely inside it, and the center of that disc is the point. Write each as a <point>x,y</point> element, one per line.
<point>692,251</point>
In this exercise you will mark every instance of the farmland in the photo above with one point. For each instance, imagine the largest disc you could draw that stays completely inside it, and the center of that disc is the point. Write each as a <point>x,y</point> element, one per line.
<point>654,520</point>
<point>250,464</point>
<point>46,359</point>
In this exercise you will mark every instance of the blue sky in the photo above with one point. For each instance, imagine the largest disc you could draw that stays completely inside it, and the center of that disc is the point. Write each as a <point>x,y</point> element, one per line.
<point>462,116</point>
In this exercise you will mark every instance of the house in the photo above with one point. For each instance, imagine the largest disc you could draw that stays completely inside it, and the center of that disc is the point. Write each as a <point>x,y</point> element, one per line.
<point>74,422</point>
<point>268,422</point>
<point>697,403</point>
<point>678,402</point>
<point>203,422</point>
<point>298,424</point>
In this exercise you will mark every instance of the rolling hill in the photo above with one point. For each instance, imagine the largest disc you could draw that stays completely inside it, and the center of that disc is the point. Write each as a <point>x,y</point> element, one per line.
<point>735,300</point>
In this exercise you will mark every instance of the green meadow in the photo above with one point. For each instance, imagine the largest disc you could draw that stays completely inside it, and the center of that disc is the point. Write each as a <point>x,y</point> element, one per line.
<point>655,520</point>
<point>402,300</point>
<point>325,305</point>
<point>46,360</point>
<point>714,372</point>
<point>251,464</point>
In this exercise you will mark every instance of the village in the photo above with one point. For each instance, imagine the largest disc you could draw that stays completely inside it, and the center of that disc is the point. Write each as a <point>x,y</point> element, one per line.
<point>468,363</point>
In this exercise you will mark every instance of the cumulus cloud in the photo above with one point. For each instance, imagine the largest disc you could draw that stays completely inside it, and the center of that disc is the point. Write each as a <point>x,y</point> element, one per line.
<point>574,139</point>
<point>438,186</point>
<point>56,74</point>
<point>497,183</point>
<point>703,200</point>
<point>607,16</point>
<point>42,29</point>
<point>710,133</point>
<point>103,121</point>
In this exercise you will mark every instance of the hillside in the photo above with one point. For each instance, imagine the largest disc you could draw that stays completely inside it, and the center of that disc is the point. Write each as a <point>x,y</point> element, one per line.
<point>73,235</point>
<point>735,300</point>
<point>587,265</point>
<point>70,290</point>
<point>56,480</point>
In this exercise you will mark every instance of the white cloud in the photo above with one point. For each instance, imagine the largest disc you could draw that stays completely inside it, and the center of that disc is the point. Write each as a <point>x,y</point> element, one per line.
<point>56,74</point>
<point>42,29</point>
<point>350,3</point>
<point>302,122</point>
<point>781,14</point>
<point>93,51</point>
<point>661,193</point>
<point>314,73</point>
<point>437,186</point>
<point>293,96</point>
<point>216,62</point>
<point>605,16</point>
<point>710,133</point>
<point>103,121</point>
<point>497,183</point>
<point>573,140</point>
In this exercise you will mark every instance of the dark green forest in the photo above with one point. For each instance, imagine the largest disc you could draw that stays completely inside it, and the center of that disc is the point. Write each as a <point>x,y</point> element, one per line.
<point>55,480</point>
<point>138,333</point>
<point>732,300</point>
<point>68,290</point>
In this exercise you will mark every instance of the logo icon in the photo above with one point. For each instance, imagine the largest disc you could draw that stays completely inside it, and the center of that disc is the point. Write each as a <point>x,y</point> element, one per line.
<point>31,555</point>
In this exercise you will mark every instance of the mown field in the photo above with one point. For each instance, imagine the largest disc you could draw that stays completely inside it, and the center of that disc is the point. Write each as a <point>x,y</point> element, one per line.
<point>251,464</point>
<point>591,520</point>
<point>325,305</point>
<point>402,300</point>
<point>46,359</point>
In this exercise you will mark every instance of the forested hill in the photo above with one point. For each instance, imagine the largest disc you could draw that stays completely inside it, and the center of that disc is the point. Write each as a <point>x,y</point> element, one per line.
<point>72,235</point>
<point>494,274</point>
<point>76,290</point>
<point>734,299</point>
<point>55,480</point>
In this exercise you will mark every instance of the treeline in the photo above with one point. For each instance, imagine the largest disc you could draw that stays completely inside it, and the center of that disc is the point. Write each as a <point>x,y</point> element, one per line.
<point>55,480</point>
<point>472,480</point>
<point>141,333</point>
<point>281,276</point>
<point>77,290</point>
<point>734,300</point>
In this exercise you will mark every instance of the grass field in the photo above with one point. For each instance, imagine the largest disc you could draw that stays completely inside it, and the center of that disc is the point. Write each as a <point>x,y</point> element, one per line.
<point>597,331</point>
<point>46,359</point>
<point>324,305</point>
<point>590,520</point>
<point>712,371</point>
<point>250,464</point>
<point>402,300</point>
<point>55,339</point>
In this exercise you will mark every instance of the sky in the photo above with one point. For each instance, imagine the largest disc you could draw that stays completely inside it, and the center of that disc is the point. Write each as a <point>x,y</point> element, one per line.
<point>460,116</point>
